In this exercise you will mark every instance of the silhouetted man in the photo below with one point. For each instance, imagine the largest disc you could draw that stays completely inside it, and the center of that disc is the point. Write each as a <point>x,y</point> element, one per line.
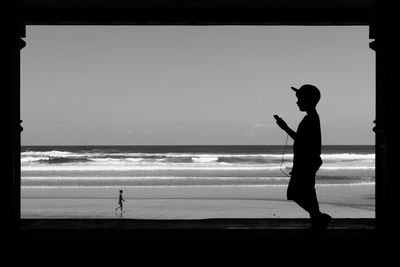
<point>306,156</point>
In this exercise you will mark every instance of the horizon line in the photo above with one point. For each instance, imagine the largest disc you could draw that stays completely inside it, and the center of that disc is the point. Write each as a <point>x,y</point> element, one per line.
<point>196,145</point>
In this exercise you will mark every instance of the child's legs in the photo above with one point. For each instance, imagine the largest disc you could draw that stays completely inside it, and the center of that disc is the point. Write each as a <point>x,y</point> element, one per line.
<point>309,203</point>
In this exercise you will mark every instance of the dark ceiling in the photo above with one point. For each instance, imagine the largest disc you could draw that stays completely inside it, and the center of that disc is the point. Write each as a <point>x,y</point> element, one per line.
<point>197,12</point>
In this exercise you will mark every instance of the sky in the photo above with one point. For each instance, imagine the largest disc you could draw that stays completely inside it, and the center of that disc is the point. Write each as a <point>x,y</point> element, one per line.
<point>193,85</point>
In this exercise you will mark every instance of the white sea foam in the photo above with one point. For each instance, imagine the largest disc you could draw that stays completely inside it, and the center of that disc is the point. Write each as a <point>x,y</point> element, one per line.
<point>346,184</point>
<point>46,187</point>
<point>110,158</point>
<point>132,165</point>
<point>204,159</point>
<point>91,178</point>
<point>57,153</point>
<point>111,167</point>
<point>348,156</point>
<point>332,168</point>
<point>33,159</point>
<point>141,186</point>
<point>52,153</point>
<point>115,168</point>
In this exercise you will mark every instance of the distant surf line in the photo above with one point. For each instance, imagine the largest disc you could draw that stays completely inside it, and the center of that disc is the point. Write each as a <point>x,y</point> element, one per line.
<point>182,186</point>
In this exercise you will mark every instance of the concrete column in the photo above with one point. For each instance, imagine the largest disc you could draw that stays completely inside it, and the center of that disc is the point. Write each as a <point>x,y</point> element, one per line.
<point>383,30</point>
<point>11,178</point>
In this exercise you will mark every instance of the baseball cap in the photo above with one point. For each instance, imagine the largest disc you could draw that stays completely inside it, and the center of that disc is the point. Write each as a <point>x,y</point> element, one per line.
<point>309,92</point>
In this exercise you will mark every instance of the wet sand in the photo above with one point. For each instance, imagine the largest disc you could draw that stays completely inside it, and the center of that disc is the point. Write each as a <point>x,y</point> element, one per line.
<point>340,201</point>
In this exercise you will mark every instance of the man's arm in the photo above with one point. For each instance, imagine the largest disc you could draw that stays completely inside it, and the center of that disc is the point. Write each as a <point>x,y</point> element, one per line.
<point>282,124</point>
<point>290,132</point>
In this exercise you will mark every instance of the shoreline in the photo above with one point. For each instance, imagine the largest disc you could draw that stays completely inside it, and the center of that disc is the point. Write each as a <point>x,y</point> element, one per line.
<point>340,201</point>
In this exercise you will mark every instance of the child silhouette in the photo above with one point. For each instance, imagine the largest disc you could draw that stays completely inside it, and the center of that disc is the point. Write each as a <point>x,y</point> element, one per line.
<point>306,156</point>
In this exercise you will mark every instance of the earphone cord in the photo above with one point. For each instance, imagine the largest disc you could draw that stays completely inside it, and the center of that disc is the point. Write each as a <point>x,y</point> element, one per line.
<point>283,157</point>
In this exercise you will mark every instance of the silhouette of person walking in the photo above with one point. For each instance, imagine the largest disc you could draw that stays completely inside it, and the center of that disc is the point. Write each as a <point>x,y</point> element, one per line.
<point>120,200</point>
<point>306,156</point>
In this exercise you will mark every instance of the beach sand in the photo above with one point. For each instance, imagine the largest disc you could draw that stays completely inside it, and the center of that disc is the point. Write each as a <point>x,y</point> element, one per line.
<point>340,201</point>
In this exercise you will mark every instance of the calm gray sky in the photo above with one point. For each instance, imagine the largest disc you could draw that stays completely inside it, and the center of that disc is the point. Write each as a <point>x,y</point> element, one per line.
<point>192,85</point>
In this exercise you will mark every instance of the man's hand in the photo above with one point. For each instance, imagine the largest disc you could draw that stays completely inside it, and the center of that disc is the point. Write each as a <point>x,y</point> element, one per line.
<point>281,123</point>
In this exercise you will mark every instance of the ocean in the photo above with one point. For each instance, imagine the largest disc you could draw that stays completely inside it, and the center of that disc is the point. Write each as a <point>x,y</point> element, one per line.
<point>183,166</point>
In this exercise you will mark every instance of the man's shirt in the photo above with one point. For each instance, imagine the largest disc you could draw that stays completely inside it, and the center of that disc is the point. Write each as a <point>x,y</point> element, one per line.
<point>307,145</point>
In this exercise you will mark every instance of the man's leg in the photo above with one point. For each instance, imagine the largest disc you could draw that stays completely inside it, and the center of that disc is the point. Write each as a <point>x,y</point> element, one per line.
<point>308,201</point>
<point>319,220</point>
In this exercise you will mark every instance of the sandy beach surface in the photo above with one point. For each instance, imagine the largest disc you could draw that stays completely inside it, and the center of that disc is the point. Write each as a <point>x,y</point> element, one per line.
<point>340,201</point>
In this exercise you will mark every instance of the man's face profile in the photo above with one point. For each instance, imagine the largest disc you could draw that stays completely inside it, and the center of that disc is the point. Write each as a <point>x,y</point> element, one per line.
<point>305,103</point>
<point>301,103</point>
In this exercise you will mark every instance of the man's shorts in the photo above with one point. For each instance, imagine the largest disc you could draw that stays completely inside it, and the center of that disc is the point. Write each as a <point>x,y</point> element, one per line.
<point>301,186</point>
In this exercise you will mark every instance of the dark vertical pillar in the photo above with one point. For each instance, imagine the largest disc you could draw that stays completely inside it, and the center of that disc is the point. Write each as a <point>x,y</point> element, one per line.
<point>380,144</point>
<point>385,44</point>
<point>391,79</point>
<point>11,123</point>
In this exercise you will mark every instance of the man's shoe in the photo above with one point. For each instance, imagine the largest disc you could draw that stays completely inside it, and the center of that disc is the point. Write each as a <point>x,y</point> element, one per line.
<point>325,220</point>
<point>321,222</point>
